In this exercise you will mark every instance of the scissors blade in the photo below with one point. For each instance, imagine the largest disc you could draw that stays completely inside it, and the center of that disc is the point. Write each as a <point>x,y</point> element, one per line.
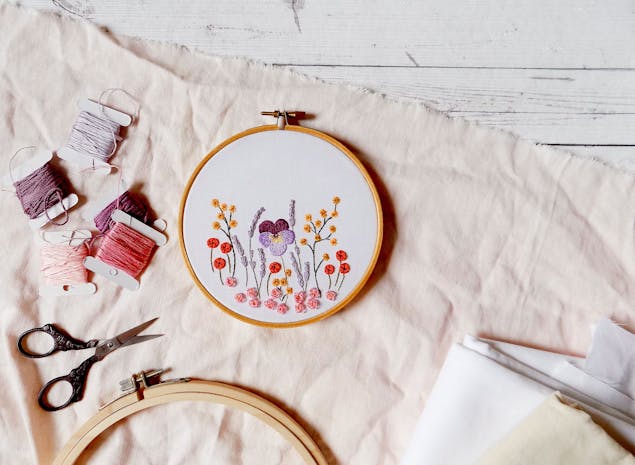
<point>112,344</point>
<point>138,339</point>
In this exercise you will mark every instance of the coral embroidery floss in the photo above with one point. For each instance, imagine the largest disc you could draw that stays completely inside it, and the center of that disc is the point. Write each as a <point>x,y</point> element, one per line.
<point>62,264</point>
<point>125,250</point>
<point>43,191</point>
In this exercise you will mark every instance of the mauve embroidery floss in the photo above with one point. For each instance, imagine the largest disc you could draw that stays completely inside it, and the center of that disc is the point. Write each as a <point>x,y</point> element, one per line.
<point>126,202</point>
<point>63,264</point>
<point>125,249</point>
<point>42,189</point>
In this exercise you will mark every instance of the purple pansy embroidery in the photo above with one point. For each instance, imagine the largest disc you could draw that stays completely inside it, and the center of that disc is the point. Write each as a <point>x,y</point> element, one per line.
<point>276,236</point>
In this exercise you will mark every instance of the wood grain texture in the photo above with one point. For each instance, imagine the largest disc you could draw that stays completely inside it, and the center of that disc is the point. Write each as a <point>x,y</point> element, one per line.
<point>553,72</point>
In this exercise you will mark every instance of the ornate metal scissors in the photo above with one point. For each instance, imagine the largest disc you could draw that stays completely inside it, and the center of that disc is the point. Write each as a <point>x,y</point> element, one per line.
<point>77,377</point>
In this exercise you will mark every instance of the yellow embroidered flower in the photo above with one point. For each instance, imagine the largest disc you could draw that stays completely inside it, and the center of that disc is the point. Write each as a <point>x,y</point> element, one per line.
<point>303,241</point>
<point>332,228</point>
<point>307,228</point>
<point>336,200</point>
<point>333,241</point>
<point>216,225</point>
<point>318,237</point>
<point>326,257</point>
<point>289,290</point>
<point>283,281</point>
<point>275,282</point>
<point>318,223</point>
<point>287,271</point>
<point>334,214</point>
<point>323,213</point>
<point>308,217</point>
<point>220,216</point>
<point>233,223</point>
<point>223,206</point>
<point>215,203</point>
<point>232,209</point>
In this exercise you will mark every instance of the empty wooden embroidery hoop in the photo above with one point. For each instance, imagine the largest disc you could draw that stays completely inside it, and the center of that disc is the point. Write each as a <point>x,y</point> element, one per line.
<point>201,391</point>
<point>373,255</point>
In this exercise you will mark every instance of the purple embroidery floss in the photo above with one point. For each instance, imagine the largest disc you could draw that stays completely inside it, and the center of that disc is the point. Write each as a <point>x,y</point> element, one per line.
<point>42,189</point>
<point>126,202</point>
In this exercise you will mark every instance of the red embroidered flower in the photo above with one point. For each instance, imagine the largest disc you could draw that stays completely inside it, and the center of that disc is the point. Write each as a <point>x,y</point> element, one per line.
<point>212,242</point>
<point>275,267</point>
<point>345,268</point>
<point>329,269</point>
<point>341,255</point>
<point>225,247</point>
<point>219,263</point>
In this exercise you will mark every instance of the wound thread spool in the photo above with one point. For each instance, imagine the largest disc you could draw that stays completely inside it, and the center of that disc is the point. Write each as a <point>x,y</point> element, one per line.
<point>63,265</point>
<point>125,249</point>
<point>127,203</point>
<point>95,136</point>
<point>42,189</point>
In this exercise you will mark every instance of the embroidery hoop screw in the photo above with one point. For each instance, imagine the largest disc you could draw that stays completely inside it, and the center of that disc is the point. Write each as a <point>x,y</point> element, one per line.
<point>283,116</point>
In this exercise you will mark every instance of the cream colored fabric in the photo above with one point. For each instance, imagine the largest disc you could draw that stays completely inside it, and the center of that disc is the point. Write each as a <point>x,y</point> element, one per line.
<point>557,434</point>
<point>484,234</point>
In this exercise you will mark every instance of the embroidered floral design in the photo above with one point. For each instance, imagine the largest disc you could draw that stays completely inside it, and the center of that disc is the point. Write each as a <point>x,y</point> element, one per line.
<point>276,236</point>
<point>280,268</point>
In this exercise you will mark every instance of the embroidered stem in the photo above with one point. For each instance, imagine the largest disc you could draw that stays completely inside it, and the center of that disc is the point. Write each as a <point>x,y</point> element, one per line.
<point>342,282</point>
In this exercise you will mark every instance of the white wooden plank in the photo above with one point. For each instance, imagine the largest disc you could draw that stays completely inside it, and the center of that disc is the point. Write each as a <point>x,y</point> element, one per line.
<point>456,33</point>
<point>621,157</point>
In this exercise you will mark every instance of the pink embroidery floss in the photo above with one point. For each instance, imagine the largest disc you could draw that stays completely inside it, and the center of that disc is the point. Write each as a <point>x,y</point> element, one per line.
<point>42,189</point>
<point>125,249</point>
<point>63,265</point>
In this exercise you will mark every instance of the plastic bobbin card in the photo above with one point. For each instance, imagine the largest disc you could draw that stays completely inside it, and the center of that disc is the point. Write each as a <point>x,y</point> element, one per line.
<point>280,225</point>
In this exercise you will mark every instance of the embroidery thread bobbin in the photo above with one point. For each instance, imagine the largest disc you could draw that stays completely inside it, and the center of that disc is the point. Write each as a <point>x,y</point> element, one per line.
<point>20,172</point>
<point>70,238</point>
<point>85,160</point>
<point>117,275</point>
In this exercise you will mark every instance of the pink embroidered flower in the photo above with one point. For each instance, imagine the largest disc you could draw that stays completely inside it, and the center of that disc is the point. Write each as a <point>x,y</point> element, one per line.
<point>331,295</point>
<point>270,304</point>
<point>283,308</point>
<point>276,293</point>
<point>231,281</point>
<point>275,236</point>
<point>240,297</point>
<point>254,303</point>
<point>300,307</point>
<point>314,292</point>
<point>300,297</point>
<point>252,292</point>
<point>313,304</point>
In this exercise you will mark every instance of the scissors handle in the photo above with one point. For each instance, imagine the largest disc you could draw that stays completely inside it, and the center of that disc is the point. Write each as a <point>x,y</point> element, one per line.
<point>61,341</point>
<point>76,378</point>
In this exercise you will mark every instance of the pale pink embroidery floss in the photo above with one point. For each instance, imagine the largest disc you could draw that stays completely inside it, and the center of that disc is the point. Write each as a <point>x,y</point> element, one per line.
<point>125,249</point>
<point>63,264</point>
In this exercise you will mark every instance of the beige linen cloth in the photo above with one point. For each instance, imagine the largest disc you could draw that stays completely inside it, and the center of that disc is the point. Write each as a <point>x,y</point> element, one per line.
<point>557,434</point>
<point>485,234</point>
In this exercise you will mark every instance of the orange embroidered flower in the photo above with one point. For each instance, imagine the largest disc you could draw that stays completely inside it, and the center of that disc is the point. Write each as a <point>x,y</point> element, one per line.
<point>283,281</point>
<point>289,290</point>
<point>333,241</point>
<point>323,213</point>
<point>332,228</point>
<point>326,257</point>
<point>307,228</point>
<point>334,214</point>
<point>336,200</point>
<point>233,223</point>
<point>287,272</point>
<point>318,237</point>
<point>232,209</point>
<point>216,225</point>
<point>275,282</point>
<point>308,217</point>
<point>220,216</point>
<point>215,203</point>
<point>303,241</point>
<point>223,206</point>
<point>318,223</point>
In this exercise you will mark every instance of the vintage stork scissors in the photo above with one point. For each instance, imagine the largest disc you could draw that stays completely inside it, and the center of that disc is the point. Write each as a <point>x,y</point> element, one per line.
<point>77,377</point>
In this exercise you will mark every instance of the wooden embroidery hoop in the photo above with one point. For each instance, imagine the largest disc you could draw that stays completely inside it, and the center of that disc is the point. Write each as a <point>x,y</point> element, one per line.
<point>283,125</point>
<point>190,390</point>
